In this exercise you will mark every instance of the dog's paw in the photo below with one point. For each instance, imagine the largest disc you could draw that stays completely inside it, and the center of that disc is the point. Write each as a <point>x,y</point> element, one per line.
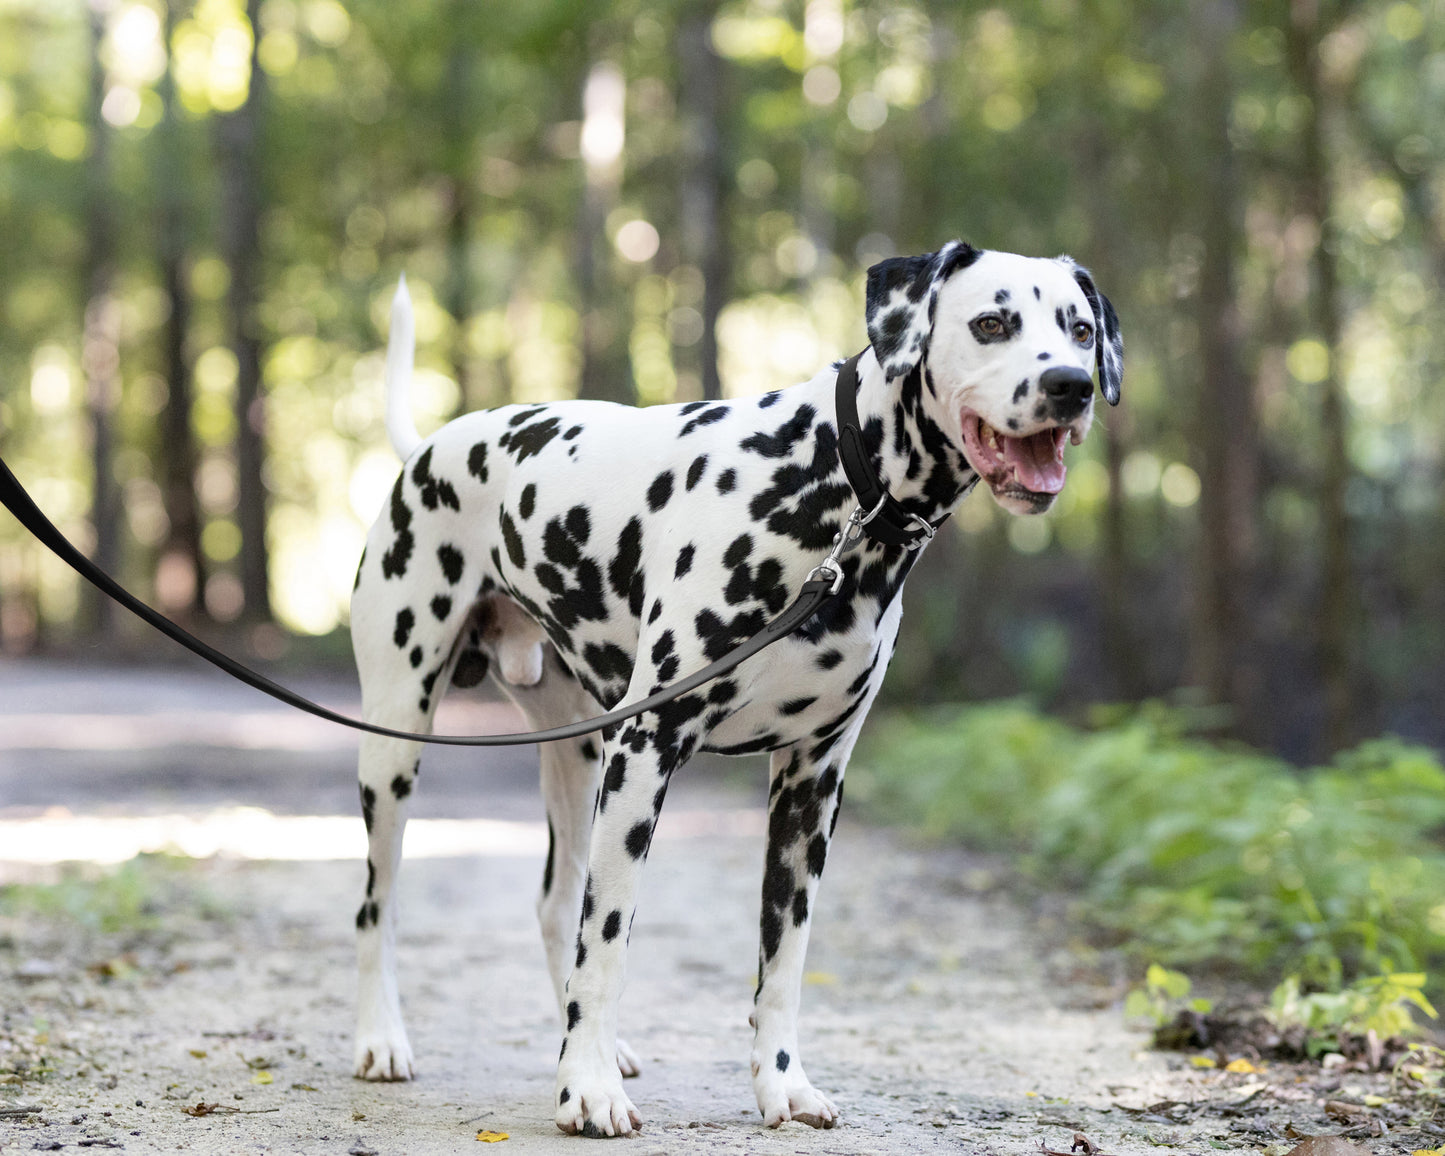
<point>627,1062</point>
<point>384,1056</point>
<point>784,1096</point>
<point>595,1106</point>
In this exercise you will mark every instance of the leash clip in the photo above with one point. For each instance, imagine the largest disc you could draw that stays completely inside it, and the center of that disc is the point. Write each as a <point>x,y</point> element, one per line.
<point>843,541</point>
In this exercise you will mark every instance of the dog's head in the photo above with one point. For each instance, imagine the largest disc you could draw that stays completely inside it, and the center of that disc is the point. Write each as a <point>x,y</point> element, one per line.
<point>1008,346</point>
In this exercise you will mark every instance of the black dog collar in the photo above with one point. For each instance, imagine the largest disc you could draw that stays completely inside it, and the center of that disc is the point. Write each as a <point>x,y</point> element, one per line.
<point>886,521</point>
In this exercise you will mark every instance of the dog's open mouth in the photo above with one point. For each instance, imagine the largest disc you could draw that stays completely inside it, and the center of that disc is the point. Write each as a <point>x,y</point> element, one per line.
<point>1032,464</point>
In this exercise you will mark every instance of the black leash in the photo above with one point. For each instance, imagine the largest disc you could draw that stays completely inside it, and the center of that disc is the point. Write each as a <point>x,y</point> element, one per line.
<point>878,515</point>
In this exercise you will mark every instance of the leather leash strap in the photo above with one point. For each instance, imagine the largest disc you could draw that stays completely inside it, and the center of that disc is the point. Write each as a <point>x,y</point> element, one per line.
<point>818,588</point>
<point>879,516</point>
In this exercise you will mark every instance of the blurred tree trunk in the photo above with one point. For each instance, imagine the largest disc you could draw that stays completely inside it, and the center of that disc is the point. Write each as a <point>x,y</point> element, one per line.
<point>1226,425</point>
<point>459,140</point>
<point>100,340</point>
<point>605,365</point>
<point>1339,597</point>
<point>238,136</point>
<point>182,548</point>
<point>704,179</point>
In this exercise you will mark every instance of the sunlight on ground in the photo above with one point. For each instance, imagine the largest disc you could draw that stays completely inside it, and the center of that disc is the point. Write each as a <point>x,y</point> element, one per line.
<point>254,833</point>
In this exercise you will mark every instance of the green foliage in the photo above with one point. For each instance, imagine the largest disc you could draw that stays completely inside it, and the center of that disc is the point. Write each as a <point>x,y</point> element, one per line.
<point>1164,994</point>
<point>1378,1003</point>
<point>133,897</point>
<point>1192,853</point>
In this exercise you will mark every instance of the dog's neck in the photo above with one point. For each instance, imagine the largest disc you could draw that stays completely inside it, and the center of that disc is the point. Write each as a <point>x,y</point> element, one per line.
<point>920,464</point>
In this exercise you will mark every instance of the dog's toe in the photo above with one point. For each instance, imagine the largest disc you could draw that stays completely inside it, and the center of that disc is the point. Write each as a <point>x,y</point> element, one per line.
<point>627,1062</point>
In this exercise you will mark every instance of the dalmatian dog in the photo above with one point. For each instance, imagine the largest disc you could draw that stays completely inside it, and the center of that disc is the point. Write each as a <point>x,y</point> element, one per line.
<point>587,554</point>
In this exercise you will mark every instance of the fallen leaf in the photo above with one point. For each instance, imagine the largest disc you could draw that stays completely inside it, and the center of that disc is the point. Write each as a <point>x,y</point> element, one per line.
<point>492,1137</point>
<point>820,978</point>
<point>1328,1146</point>
<point>200,1109</point>
<point>1203,1061</point>
<point>262,1077</point>
<point>1429,1151</point>
<point>302,1088</point>
<point>199,1053</point>
<point>1240,1065</point>
<point>1374,1101</point>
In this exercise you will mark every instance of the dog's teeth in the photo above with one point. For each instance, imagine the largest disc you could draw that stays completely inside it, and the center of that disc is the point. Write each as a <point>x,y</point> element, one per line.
<point>1074,438</point>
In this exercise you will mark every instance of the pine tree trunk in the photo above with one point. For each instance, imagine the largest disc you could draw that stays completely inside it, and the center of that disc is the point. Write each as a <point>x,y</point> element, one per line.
<point>1339,596</point>
<point>238,136</point>
<point>704,181</point>
<point>1225,422</point>
<point>100,350</point>
<point>178,451</point>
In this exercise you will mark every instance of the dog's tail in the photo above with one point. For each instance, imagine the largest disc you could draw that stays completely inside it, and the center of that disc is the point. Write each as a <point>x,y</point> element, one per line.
<point>400,355</point>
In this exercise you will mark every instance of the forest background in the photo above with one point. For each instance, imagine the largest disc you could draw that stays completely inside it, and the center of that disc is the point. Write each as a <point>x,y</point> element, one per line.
<point>205,205</point>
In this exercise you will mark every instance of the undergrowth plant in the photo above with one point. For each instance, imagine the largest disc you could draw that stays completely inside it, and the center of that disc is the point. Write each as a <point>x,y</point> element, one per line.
<point>1187,852</point>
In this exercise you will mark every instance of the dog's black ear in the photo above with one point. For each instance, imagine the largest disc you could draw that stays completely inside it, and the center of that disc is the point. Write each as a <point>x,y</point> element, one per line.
<point>1109,344</point>
<point>902,296</point>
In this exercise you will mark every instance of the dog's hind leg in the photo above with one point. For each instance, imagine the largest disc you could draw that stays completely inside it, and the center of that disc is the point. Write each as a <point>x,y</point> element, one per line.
<point>404,658</point>
<point>805,790</point>
<point>571,770</point>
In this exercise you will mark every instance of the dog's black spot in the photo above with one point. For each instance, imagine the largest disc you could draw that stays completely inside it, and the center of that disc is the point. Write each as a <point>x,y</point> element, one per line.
<point>405,620</point>
<point>768,400</point>
<point>574,1013</point>
<point>588,750</point>
<point>471,668</point>
<point>695,471</point>
<point>452,562</point>
<point>1021,390</point>
<point>707,417</point>
<point>639,838</point>
<point>660,491</point>
<point>367,916</point>
<point>613,780</point>
<point>782,1060</point>
<point>441,606</point>
<point>622,571</point>
<point>785,438</point>
<point>1037,295</point>
<point>528,501</point>
<point>513,541</point>
<point>368,807</point>
<point>434,491</point>
<point>581,953</point>
<point>566,1093</point>
<point>797,705</point>
<point>530,440</point>
<point>1001,296</point>
<point>817,854</point>
<point>727,481</point>
<point>477,462</point>
<point>800,907</point>
<point>691,407</point>
<point>1044,356</point>
<point>579,524</point>
<point>684,560</point>
<point>401,786</point>
<point>551,856</point>
<point>656,612</point>
<point>611,925</point>
<point>572,433</point>
<point>829,659</point>
<point>393,562</point>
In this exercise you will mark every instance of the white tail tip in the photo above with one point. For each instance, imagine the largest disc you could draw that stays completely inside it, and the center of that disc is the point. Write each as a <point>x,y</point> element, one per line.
<point>400,357</point>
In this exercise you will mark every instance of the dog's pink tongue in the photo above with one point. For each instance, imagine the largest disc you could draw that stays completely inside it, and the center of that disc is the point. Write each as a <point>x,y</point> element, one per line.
<point>1036,462</point>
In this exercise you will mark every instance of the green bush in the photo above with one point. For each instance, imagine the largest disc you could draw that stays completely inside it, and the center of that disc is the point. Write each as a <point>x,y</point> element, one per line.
<point>1193,853</point>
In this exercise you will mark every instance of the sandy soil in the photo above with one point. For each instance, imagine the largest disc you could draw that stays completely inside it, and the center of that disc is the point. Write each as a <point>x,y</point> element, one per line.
<point>941,1012</point>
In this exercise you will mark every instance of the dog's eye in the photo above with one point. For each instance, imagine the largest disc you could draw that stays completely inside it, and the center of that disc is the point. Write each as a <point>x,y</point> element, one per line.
<point>1083,332</point>
<point>990,326</point>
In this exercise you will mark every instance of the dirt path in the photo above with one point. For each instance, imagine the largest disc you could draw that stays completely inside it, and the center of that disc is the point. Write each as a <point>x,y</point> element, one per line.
<point>934,1014</point>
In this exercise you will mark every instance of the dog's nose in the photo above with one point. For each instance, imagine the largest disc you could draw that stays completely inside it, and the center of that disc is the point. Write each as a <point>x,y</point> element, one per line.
<point>1067,385</point>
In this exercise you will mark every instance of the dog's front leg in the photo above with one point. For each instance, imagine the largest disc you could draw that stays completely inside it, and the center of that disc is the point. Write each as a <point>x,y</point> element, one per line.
<point>387,772</point>
<point>637,762</point>
<point>805,790</point>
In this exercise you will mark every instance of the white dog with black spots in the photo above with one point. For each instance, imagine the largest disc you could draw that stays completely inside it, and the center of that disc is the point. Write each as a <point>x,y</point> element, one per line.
<point>587,554</point>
